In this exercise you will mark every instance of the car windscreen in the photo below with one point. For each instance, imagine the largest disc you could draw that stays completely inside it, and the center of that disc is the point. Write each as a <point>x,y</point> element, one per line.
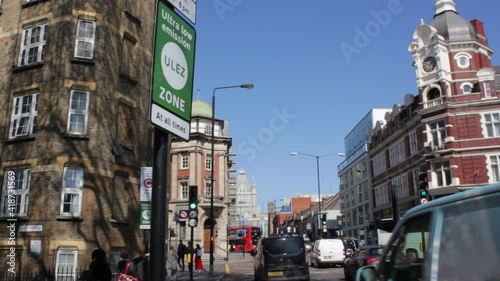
<point>283,246</point>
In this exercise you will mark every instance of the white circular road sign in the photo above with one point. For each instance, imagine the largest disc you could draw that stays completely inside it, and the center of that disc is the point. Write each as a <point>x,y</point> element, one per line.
<point>192,222</point>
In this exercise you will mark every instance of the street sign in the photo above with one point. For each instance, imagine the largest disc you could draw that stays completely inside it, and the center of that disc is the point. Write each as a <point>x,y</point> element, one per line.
<point>145,213</point>
<point>183,214</point>
<point>173,67</point>
<point>193,222</point>
<point>186,7</point>
<point>423,200</point>
<point>193,214</point>
<point>146,184</point>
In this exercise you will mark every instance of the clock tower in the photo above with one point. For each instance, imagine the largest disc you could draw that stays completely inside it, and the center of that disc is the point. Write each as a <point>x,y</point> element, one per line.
<point>450,55</point>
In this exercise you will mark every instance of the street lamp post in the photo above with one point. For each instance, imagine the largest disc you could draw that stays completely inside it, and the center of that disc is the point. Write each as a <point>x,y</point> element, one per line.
<point>319,185</point>
<point>246,86</point>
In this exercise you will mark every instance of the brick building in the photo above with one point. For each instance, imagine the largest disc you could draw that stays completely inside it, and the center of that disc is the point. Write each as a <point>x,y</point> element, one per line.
<point>191,165</point>
<point>449,131</point>
<point>74,132</point>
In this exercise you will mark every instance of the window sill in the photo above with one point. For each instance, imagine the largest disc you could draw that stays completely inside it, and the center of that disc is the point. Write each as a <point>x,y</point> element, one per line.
<point>129,78</point>
<point>22,68</point>
<point>74,136</point>
<point>83,61</point>
<point>31,3</point>
<point>69,218</point>
<point>20,139</point>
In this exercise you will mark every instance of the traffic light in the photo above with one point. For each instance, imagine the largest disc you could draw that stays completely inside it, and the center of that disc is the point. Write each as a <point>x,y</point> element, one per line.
<point>323,219</point>
<point>193,197</point>
<point>424,188</point>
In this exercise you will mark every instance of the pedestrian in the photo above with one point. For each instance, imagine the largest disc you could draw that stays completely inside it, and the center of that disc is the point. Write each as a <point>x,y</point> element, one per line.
<point>172,264</point>
<point>243,248</point>
<point>132,269</point>
<point>181,252</point>
<point>99,268</point>
<point>190,253</point>
<point>198,265</point>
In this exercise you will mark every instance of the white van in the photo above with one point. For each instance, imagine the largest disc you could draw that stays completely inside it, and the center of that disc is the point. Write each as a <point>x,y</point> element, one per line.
<point>451,238</point>
<point>328,252</point>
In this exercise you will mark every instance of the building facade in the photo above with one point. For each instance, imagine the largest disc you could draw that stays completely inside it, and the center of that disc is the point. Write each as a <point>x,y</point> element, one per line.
<point>245,210</point>
<point>355,178</point>
<point>74,132</point>
<point>192,165</point>
<point>448,132</point>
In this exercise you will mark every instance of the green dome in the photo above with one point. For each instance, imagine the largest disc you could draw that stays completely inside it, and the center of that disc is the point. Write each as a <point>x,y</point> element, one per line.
<point>200,108</point>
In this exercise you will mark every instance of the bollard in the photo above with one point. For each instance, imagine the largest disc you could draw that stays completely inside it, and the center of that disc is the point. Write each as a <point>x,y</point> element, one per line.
<point>228,269</point>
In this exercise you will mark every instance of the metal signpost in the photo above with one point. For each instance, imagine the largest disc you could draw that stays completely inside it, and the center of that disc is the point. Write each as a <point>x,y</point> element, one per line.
<point>170,112</point>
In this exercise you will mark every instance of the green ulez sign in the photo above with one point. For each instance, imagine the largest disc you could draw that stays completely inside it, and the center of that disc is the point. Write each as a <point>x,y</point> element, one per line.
<point>173,69</point>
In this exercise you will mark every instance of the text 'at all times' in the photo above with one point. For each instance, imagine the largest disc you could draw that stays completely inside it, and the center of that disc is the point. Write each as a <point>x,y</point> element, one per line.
<point>170,122</point>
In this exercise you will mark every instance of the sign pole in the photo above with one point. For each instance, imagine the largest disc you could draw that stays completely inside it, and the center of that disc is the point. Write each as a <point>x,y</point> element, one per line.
<point>192,255</point>
<point>159,205</point>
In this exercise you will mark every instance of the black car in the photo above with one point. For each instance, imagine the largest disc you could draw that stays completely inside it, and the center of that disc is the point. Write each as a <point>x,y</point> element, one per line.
<point>281,258</point>
<point>366,255</point>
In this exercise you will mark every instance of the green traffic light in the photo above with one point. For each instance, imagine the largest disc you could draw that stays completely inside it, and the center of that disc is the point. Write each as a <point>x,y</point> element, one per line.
<point>192,206</point>
<point>424,193</point>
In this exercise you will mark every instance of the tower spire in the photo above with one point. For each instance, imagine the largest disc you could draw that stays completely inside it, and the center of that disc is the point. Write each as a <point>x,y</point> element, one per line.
<point>445,5</point>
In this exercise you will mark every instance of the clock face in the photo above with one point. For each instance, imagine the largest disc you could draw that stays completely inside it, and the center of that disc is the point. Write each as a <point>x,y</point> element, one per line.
<point>429,64</point>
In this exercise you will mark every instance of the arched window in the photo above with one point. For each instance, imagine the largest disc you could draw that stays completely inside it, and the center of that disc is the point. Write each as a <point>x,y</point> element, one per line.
<point>433,93</point>
<point>466,88</point>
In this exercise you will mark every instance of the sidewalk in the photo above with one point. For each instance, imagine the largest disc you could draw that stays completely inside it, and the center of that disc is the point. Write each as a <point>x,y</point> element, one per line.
<point>219,270</point>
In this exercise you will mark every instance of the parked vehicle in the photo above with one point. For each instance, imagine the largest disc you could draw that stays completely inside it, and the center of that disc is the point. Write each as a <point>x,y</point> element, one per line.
<point>350,245</point>
<point>280,258</point>
<point>366,255</point>
<point>455,238</point>
<point>307,243</point>
<point>329,252</point>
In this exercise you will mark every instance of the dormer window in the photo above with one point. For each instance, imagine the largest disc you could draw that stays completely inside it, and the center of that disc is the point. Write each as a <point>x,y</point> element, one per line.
<point>463,60</point>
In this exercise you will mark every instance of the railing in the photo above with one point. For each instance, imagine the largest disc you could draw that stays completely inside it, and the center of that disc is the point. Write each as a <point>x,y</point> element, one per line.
<point>219,200</point>
<point>49,275</point>
<point>434,102</point>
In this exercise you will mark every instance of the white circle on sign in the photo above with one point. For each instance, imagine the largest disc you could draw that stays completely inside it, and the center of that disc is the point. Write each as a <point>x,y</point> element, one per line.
<point>192,222</point>
<point>423,200</point>
<point>146,214</point>
<point>174,65</point>
<point>148,183</point>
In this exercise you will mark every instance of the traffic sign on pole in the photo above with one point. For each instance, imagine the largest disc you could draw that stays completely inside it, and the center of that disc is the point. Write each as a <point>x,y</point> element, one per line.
<point>173,67</point>
<point>186,7</point>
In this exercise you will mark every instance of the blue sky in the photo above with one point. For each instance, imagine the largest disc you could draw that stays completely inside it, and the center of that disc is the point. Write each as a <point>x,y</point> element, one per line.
<point>308,93</point>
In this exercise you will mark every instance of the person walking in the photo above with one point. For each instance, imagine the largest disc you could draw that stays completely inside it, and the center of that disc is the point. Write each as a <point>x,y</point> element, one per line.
<point>181,252</point>
<point>190,253</point>
<point>99,268</point>
<point>132,269</point>
<point>172,264</point>
<point>198,264</point>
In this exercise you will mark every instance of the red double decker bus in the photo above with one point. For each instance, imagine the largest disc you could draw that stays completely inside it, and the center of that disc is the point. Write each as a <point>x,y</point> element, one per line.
<point>243,237</point>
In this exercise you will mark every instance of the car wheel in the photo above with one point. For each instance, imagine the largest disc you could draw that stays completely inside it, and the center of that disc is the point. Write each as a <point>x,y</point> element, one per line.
<point>412,254</point>
<point>346,275</point>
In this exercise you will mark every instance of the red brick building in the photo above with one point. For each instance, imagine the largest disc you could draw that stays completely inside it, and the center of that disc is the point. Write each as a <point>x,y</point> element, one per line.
<point>456,128</point>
